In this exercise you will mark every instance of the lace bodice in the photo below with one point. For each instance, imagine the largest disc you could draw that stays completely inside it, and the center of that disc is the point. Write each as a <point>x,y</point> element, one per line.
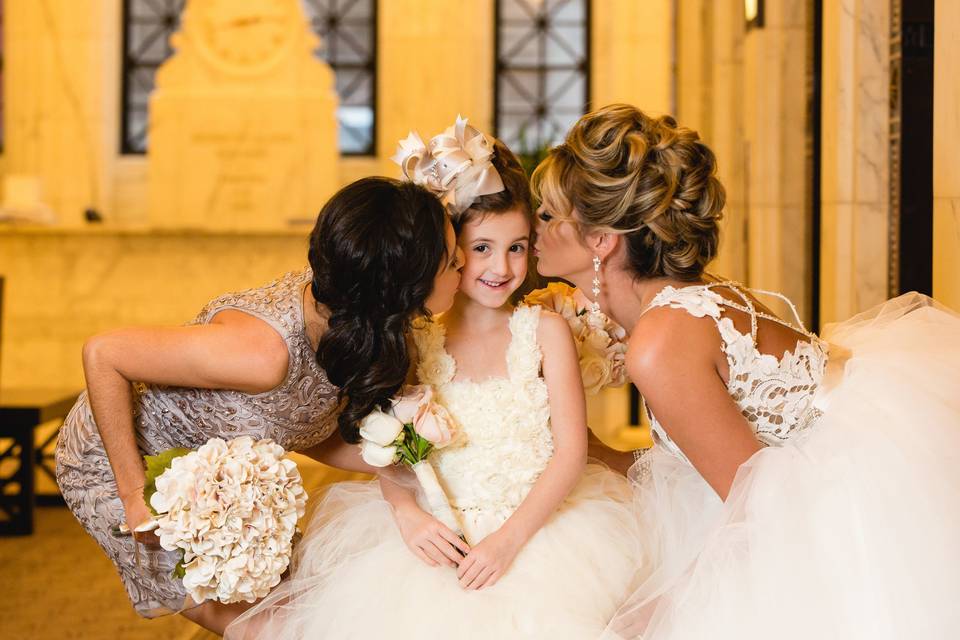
<point>774,394</point>
<point>505,440</point>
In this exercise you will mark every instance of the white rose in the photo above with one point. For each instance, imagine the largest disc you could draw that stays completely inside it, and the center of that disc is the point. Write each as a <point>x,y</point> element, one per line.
<point>380,428</point>
<point>377,456</point>
<point>595,371</point>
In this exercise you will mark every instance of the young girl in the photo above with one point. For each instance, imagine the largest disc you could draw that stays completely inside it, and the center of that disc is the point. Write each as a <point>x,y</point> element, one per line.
<point>551,543</point>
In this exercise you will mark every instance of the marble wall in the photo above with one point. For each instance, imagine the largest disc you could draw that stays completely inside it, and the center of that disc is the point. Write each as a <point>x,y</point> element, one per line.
<point>946,169</point>
<point>632,49</point>
<point>855,172</point>
<point>63,285</point>
<point>774,112</point>
<point>745,92</point>
<point>62,90</point>
<point>709,99</point>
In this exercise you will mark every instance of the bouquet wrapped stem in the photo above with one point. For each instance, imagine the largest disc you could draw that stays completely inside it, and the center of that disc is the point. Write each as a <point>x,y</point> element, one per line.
<point>414,426</point>
<point>435,496</point>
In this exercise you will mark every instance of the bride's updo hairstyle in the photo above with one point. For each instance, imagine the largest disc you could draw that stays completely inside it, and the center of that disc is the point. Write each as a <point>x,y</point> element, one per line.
<point>621,171</point>
<point>376,248</point>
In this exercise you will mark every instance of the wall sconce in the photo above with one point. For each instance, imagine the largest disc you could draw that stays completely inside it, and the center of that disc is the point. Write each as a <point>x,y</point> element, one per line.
<point>753,13</point>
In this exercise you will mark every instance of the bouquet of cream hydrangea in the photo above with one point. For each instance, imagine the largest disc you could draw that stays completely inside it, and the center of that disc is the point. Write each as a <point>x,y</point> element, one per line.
<point>231,508</point>
<point>601,342</point>
<point>414,426</point>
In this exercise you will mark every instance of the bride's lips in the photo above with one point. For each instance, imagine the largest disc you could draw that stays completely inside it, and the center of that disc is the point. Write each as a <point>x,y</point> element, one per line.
<point>492,285</point>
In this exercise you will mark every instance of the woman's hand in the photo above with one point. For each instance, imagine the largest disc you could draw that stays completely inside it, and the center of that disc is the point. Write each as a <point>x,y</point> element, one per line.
<point>488,561</point>
<point>137,513</point>
<point>428,538</point>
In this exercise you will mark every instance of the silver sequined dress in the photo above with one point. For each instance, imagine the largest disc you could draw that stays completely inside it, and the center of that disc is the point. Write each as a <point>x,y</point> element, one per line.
<point>301,412</point>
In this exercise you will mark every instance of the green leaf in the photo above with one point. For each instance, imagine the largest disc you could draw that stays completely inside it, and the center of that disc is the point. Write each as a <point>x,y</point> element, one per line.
<point>179,571</point>
<point>156,465</point>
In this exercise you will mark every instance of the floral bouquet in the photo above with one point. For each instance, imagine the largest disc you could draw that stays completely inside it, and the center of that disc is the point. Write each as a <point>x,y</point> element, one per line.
<point>601,342</point>
<point>414,426</point>
<point>231,509</point>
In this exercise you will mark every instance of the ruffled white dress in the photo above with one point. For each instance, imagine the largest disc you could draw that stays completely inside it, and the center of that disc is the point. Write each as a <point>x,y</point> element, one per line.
<point>848,524</point>
<point>354,578</point>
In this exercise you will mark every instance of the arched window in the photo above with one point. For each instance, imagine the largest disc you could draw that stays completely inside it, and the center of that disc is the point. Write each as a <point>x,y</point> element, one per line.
<point>542,70</point>
<point>347,29</point>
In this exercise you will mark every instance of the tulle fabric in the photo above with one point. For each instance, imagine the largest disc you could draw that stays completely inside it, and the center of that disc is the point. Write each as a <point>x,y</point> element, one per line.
<point>354,578</point>
<point>851,530</point>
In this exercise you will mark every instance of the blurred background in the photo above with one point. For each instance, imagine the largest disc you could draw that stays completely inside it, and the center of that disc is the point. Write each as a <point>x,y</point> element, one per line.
<point>157,153</point>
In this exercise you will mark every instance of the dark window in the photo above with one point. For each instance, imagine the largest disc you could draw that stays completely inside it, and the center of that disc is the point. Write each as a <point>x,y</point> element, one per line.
<point>348,33</point>
<point>542,70</point>
<point>348,42</point>
<point>147,27</point>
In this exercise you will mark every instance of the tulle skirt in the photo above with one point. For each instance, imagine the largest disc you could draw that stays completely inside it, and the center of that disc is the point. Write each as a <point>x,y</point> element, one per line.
<point>355,578</point>
<point>851,530</point>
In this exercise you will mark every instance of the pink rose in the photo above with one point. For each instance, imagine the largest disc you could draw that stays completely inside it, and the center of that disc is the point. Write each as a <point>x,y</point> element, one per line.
<point>408,405</point>
<point>433,423</point>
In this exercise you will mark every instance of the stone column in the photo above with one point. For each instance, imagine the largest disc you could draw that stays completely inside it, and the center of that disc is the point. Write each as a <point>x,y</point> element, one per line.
<point>946,169</point>
<point>61,101</point>
<point>855,156</point>
<point>632,50</point>
<point>774,112</point>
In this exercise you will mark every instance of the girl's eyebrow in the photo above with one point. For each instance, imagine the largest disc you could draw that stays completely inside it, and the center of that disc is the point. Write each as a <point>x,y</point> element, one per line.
<point>527,238</point>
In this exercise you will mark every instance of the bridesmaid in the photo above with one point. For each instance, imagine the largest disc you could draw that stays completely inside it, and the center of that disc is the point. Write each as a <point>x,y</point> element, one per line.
<point>291,361</point>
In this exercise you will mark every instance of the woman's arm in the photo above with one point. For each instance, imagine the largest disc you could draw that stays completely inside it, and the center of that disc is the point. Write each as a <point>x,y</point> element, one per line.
<point>234,351</point>
<point>675,369</point>
<point>488,560</point>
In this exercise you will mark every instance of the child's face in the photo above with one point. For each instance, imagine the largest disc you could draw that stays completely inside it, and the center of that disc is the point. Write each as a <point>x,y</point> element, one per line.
<point>495,247</point>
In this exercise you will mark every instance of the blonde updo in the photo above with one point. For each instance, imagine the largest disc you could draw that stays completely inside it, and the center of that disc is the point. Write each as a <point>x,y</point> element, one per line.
<point>621,171</point>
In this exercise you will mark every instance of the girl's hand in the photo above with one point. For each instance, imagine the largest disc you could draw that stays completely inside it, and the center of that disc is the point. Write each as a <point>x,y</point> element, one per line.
<point>489,560</point>
<point>428,538</point>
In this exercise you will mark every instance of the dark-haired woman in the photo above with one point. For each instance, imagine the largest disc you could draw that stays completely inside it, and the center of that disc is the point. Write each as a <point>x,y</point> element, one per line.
<point>291,361</point>
<point>799,486</point>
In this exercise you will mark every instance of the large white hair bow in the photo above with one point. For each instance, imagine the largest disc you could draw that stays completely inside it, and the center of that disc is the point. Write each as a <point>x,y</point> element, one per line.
<point>455,165</point>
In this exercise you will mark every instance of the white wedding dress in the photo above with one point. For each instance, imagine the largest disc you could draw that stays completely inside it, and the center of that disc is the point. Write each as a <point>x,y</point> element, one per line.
<point>353,578</point>
<point>847,524</point>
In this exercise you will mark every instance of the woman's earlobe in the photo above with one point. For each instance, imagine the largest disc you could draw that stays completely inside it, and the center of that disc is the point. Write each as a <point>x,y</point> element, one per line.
<point>605,244</point>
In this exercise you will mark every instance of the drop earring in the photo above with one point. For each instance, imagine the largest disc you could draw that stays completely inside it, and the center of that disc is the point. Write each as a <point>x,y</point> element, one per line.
<point>595,305</point>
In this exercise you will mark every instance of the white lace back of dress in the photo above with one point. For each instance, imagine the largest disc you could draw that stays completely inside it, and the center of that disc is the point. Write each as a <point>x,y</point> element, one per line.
<point>505,440</point>
<point>774,394</point>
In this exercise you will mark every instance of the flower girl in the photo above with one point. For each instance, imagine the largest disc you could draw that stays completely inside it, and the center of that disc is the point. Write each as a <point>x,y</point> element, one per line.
<point>551,543</point>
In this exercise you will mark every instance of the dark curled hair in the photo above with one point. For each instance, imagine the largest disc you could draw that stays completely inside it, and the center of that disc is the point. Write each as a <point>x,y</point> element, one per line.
<point>376,248</point>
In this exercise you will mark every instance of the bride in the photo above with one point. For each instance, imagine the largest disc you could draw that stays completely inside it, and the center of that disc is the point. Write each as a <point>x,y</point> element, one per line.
<point>799,486</point>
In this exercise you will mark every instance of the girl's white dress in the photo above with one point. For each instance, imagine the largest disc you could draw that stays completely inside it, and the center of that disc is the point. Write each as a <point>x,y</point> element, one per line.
<point>354,578</point>
<point>847,525</point>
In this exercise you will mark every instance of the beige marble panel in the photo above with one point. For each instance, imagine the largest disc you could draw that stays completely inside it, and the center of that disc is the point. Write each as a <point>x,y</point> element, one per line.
<point>946,251</point>
<point>632,49</point>
<point>436,60</point>
<point>855,158</point>
<point>62,287</point>
<point>58,120</point>
<point>946,169</point>
<point>774,128</point>
<point>727,133</point>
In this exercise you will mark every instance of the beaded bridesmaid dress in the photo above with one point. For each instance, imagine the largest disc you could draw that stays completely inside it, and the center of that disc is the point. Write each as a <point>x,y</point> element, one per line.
<point>299,413</point>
